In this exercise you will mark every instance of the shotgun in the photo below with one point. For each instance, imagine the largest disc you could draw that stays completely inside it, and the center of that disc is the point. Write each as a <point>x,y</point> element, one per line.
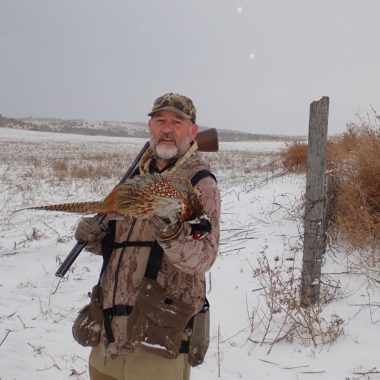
<point>207,141</point>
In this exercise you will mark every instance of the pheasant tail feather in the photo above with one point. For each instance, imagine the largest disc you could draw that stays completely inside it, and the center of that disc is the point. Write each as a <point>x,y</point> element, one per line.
<point>77,207</point>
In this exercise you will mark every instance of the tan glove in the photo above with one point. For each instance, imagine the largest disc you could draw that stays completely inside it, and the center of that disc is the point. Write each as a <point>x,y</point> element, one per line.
<point>164,228</point>
<point>89,230</point>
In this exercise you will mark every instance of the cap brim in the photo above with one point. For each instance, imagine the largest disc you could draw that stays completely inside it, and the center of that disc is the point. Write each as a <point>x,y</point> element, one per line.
<point>173,109</point>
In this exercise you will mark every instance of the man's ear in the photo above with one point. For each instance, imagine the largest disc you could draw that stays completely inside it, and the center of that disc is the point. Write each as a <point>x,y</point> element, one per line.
<point>194,131</point>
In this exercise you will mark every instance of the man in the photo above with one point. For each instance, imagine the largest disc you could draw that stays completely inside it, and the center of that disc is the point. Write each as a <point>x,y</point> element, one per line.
<point>188,249</point>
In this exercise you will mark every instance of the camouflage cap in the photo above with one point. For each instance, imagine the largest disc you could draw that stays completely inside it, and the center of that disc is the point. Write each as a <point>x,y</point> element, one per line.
<point>177,103</point>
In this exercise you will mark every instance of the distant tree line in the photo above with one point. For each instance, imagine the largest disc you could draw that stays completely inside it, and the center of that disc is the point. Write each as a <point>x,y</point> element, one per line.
<point>81,127</point>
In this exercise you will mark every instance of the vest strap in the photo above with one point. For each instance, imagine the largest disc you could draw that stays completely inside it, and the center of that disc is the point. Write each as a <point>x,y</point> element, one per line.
<point>133,244</point>
<point>118,310</point>
<point>200,175</point>
<point>151,271</point>
<point>109,313</point>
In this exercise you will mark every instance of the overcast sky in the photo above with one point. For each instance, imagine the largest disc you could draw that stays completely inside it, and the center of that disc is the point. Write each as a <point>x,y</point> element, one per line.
<point>248,65</point>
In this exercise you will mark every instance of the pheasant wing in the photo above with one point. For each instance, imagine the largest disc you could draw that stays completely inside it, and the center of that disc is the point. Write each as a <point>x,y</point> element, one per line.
<point>152,195</point>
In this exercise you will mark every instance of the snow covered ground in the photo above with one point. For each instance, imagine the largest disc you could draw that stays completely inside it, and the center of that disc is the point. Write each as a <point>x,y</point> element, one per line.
<point>260,253</point>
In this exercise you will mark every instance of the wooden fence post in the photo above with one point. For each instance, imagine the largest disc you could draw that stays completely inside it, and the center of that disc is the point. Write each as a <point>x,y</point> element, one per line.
<point>314,219</point>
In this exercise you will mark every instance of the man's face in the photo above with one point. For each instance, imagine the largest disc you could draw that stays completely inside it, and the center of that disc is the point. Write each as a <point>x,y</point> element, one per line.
<point>170,134</point>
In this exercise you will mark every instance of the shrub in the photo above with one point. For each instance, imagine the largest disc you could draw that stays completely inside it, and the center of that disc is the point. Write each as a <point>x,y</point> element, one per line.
<point>353,161</point>
<point>356,214</point>
<point>294,157</point>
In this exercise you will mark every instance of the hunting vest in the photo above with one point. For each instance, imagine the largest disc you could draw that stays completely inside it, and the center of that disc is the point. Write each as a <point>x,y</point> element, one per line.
<point>152,267</point>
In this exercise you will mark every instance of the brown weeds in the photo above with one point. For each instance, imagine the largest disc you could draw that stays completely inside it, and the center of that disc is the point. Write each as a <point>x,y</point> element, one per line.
<point>353,161</point>
<point>356,214</point>
<point>294,157</point>
<point>282,318</point>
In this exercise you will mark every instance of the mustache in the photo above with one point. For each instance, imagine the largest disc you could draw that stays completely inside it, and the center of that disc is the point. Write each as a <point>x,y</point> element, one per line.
<point>166,136</point>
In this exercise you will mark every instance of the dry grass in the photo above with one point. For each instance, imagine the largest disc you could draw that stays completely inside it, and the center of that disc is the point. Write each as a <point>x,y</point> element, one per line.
<point>238,166</point>
<point>353,160</point>
<point>282,318</point>
<point>87,166</point>
<point>294,157</point>
<point>356,212</point>
<point>54,171</point>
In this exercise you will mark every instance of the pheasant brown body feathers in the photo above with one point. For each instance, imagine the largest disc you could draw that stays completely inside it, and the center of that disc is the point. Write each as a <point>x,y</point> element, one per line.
<point>142,197</point>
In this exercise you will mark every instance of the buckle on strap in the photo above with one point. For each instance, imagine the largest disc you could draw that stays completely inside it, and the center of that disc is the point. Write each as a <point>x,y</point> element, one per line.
<point>109,313</point>
<point>117,310</point>
<point>123,244</point>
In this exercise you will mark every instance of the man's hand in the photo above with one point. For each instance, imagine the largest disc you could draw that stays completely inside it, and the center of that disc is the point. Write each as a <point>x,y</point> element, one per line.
<point>164,228</point>
<point>89,230</point>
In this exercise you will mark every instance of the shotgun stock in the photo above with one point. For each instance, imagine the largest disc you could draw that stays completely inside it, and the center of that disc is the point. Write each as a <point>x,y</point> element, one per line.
<point>207,141</point>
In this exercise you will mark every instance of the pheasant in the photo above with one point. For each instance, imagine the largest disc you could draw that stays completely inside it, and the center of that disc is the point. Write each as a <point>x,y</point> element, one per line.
<point>142,197</point>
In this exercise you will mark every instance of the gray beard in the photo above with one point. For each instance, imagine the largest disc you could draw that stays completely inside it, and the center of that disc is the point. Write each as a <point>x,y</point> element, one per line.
<point>165,152</point>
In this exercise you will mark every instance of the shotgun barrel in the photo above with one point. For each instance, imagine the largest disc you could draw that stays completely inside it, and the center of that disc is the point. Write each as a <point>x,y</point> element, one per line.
<point>207,141</point>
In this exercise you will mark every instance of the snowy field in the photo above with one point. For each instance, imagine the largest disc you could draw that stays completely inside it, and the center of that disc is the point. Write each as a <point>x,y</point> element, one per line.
<point>255,333</point>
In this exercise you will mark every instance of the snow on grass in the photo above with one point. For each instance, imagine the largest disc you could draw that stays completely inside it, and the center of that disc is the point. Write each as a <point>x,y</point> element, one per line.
<point>261,223</point>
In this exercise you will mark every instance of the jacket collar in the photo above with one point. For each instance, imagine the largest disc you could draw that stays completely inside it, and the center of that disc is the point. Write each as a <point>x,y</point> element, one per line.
<point>147,161</point>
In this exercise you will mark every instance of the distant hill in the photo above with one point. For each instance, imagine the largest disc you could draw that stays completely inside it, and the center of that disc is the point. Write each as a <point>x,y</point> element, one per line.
<point>113,128</point>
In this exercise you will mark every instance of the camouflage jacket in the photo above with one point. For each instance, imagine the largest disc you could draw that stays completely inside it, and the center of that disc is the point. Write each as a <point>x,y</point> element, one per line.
<point>184,262</point>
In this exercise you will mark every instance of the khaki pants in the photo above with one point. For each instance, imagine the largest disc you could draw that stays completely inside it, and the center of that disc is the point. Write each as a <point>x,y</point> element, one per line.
<point>138,365</point>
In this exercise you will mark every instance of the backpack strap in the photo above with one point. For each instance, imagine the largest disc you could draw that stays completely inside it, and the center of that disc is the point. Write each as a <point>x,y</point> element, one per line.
<point>132,244</point>
<point>107,246</point>
<point>152,268</point>
<point>153,265</point>
<point>200,175</point>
